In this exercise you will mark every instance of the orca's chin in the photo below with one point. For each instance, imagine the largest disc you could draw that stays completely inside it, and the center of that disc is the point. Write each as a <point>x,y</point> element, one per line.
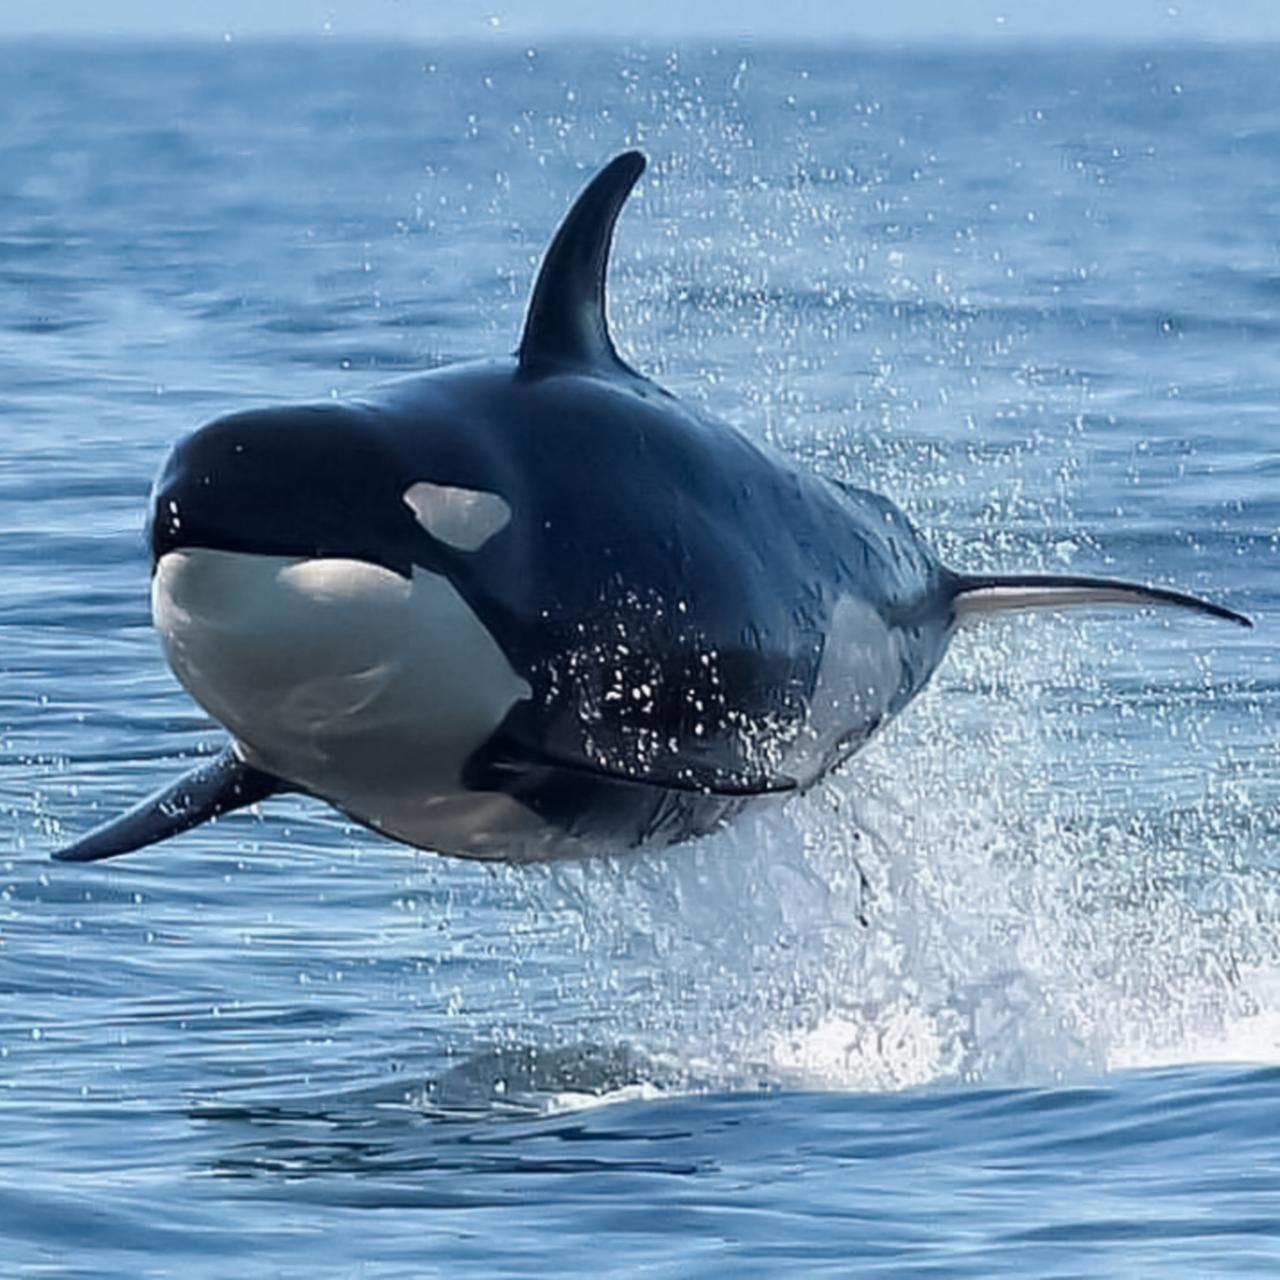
<point>340,677</point>
<point>257,637</point>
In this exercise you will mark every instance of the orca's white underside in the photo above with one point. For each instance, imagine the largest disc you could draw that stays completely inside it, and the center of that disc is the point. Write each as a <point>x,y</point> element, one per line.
<point>353,683</point>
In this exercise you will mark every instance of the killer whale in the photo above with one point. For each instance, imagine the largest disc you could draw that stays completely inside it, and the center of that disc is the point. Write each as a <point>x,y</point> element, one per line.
<point>534,606</point>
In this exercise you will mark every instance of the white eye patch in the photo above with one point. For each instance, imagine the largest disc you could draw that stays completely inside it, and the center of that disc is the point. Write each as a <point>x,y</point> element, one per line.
<point>464,519</point>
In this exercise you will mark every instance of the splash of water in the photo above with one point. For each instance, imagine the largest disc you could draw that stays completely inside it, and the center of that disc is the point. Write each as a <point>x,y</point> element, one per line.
<point>1016,924</point>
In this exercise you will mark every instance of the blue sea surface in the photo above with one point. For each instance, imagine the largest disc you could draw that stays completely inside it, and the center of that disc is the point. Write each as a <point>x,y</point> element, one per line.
<point>1034,296</point>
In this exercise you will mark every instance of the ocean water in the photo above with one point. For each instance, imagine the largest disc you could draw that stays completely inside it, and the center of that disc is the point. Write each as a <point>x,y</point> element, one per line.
<point>1034,295</point>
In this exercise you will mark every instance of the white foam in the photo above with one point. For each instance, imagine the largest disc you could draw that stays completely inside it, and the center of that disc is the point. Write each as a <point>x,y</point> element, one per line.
<point>897,1049</point>
<point>570,1101</point>
<point>1247,1032</point>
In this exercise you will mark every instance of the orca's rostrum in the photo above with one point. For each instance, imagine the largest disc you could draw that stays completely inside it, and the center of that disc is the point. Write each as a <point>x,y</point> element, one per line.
<point>537,606</point>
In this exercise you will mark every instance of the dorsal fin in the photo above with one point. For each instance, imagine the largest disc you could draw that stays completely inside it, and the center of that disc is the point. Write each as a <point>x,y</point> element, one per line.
<point>566,322</point>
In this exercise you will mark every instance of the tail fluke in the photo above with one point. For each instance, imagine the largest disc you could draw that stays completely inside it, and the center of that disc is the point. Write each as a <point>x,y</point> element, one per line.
<point>974,595</point>
<point>219,786</point>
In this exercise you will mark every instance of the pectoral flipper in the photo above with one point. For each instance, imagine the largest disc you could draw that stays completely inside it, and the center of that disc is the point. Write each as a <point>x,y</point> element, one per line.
<point>218,786</point>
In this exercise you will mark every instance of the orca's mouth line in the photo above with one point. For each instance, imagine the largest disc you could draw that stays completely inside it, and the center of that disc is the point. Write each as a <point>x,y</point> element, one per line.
<point>400,566</point>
